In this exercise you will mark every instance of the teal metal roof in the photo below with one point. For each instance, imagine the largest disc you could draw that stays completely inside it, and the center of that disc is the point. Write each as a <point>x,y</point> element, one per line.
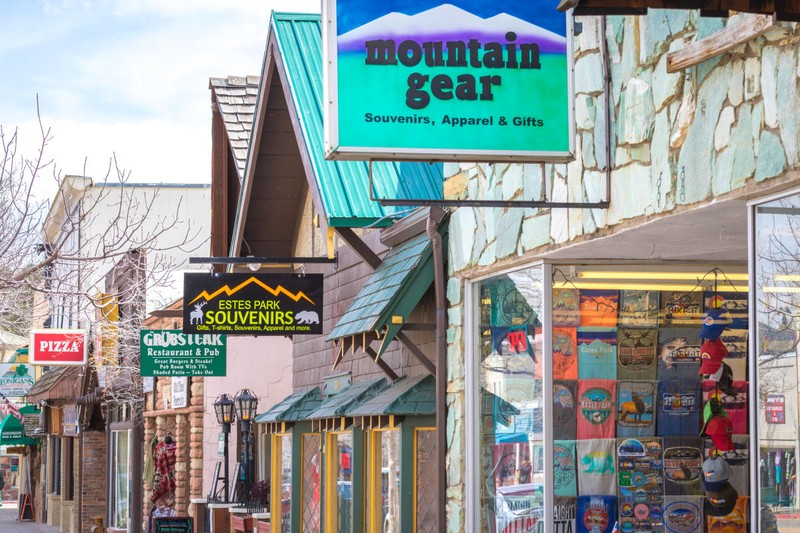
<point>394,289</point>
<point>407,396</point>
<point>348,398</point>
<point>293,408</point>
<point>343,185</point>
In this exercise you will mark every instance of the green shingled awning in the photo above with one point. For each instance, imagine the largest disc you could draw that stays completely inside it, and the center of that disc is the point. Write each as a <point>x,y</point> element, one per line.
<point>384,303</point>
<point>406,396</point>
<point>293,408</point>
<point>337,406</point>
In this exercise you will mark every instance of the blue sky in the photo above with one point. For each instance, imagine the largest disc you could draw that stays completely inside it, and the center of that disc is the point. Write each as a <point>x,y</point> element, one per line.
<point>354,13</point>
<point>126,77</point>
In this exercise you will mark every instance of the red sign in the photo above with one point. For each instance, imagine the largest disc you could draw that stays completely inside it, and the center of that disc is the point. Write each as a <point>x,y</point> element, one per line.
<point>58,347</point>
<point>776,409</point>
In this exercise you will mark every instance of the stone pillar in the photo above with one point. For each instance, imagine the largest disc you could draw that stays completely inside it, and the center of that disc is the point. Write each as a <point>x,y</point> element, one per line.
<point>196,442</point>
<point>182,464</point>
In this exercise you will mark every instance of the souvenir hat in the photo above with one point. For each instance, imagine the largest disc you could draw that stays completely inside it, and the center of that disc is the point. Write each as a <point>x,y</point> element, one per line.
<point>713,408</point>
<point>721,502</point>
<point>720,429</point>
<point>716,473</point>
<point>724,379</point>
<point>714,323</point>
<point>712,352</point>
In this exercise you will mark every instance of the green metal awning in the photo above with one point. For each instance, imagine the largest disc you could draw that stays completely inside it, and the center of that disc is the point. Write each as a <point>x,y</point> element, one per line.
<point>408,396</point>
<point>384,303</point>
<point>11,429</point>
<point>293,408</point>
<point>338,405</point>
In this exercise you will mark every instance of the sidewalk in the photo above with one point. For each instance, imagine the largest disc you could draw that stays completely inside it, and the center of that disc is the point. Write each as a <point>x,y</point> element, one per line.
<point>9,524</point>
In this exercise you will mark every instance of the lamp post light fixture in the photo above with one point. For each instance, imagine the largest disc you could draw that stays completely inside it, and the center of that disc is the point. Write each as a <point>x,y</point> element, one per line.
<point>226,415</point>
<point>246,406</point>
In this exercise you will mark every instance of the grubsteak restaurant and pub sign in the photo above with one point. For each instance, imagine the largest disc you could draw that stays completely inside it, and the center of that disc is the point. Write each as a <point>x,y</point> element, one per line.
<point>252,304</point>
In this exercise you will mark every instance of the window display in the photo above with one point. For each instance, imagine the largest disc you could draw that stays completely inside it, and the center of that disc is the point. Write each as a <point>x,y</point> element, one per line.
<point>652,377</point>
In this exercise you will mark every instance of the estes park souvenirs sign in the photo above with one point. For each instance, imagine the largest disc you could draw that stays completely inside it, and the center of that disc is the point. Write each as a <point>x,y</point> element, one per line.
<point>174,353</point>
<point>252,304</point>
<point>466,79</point>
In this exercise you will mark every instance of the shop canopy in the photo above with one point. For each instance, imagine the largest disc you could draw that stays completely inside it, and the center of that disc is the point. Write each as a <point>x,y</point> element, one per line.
<point>332,413</point>
<point>382,306</point>
<point>59,384</point>
<point>11,429</point>
<point>408,396</point>
<point>294,408</point>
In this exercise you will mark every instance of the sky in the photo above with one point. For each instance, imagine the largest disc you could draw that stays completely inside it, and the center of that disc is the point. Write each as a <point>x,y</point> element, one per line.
<point>126,78</point>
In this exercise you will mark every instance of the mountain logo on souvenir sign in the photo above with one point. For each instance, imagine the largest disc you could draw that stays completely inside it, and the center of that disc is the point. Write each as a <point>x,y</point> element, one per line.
<point>277,291</point>
<point>448,22</point>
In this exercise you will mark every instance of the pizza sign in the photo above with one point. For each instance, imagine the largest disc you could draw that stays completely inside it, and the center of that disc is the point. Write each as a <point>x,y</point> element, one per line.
<point>58,347</point>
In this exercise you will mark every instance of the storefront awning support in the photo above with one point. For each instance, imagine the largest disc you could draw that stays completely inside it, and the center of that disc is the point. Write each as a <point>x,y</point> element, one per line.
<point>414,349</point>
<point>382,364</point>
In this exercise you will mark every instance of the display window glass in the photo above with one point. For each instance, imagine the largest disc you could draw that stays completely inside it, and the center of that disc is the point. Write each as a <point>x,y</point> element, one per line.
<point>312,469</point>
<point>384,481</point>
<point>339,482</point>
<point>120,474</point>
<point>777,301</point>
<point>425,518</point>
<point>649,399</point>
<point>510,402</point>
<point>281,506</point>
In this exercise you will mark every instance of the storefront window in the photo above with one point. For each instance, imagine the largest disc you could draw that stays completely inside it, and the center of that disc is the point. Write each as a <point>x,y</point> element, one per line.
<point>281,500</point>
<point>339,506</point>
<point>425,478</point>
<point>311,482</point>
<point>510,432</point>
<point>384,485</point>
<point>649,399</point>
<point>777,297</point>
<point>120,475</point>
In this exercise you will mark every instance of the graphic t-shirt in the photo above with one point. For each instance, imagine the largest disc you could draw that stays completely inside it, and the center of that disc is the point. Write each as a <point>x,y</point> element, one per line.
<point>564,514</point>
<point>597,353</point>
<point>678,408</point>
<point>596,407</point>
<point>682,308</point>
<point>679,354</point>
<point>733,522</point>
<point>566,310</point>
<point>735,404</point>
<point>564,409</point>
<point>599,308</point>
<point>683,514</point>
<point>565,353</point>
<point>683,463</point>
<point>565,475</point>
<point>641,484</point>
<point>635,407</point>
<point>596,466</point>
<point>596,514</point>
<point>637,351</point>
<point>638,309</point>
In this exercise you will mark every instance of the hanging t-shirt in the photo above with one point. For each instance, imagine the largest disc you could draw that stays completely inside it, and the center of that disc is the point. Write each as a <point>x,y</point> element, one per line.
<point>596,466</point>
<point>564,409</point>
<point>643,514</point>
<point>679,354</point>
<point>678,408</point>
<point>565,474</point>
<point>565,353</point>
<point>637,350</point>
<point>638,309</point>
<point>682,308</point>
<point>566,311</point>
<point>683,514</point>
<point>683,464</point>
<point>599,308</point>
<point>735,404</point>
<point>564,514</point>
<point>596,514</point>
<point>636,402</point>
<point>640,467</point>
<point>596,407</point>
<point>597,353</point>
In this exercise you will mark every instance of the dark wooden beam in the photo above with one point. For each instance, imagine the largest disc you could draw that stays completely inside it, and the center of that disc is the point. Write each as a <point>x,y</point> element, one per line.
<point>382,364</point>
<point>359,247</point>
<point>414,349</point>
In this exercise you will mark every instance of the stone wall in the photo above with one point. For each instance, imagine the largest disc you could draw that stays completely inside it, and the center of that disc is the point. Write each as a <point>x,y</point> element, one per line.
<point>93,486</point>
<point>677,141</point>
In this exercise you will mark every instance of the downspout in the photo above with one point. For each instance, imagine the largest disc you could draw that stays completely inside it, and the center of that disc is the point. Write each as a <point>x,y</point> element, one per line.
<point>441,371</point>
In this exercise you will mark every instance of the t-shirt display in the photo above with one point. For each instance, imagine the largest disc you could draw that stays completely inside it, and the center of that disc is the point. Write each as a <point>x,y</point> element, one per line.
<point>565,510</point>
<point>638,420</point>
<point>566,311</point>
<point>597,353</point>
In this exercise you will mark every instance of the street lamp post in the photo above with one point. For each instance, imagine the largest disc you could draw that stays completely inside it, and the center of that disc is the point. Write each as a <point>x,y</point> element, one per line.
<point>223,407</point>
<point>246,406</point>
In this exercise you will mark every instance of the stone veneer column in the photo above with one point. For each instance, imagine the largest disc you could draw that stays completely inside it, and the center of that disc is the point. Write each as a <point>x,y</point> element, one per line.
<point>181,464</point>
<point>147,490</point>
<point>93,486</point>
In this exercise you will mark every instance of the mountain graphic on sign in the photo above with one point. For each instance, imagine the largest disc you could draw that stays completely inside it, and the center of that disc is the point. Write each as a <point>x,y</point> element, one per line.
<point>279,290</point>
<point>447,22</point>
